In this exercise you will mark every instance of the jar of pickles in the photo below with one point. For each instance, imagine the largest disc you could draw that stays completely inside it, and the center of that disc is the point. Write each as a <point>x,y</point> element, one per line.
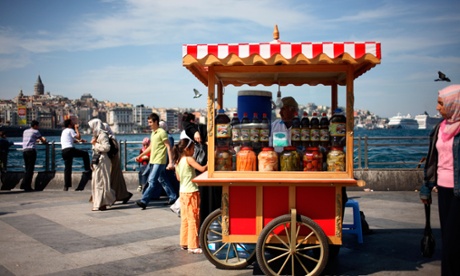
<point>268,160</point>
<point>336,160</point>
<point>313,159</point>
<point>290,159</point>
<point>246,160</point>
<point>223,159</point>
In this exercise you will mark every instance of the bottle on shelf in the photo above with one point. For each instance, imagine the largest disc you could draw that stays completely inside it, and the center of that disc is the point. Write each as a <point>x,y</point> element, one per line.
<point>254,132</point>
<point>295,131</point>
<point>324,131</point>
<point>223,129</point>
<point>305,130</point>
<point>245,138</point>
<point>236,130</point>
<point>338,128</point>
<point>264,135</point>
<point>314,130</point>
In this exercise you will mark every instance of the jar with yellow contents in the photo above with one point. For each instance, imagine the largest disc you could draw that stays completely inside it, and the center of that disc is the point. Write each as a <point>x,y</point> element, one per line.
<point>336,160</point>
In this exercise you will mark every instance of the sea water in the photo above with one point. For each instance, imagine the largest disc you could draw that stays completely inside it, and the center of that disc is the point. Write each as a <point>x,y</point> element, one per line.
<point>131,144</point>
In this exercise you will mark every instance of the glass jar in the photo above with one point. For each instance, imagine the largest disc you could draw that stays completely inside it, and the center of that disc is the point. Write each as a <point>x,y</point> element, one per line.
<point>268,160</point>
<point>290,159</point>
<point>246,160</point>
<point>223,159</point>
<point>336,160</point>
<point>313,159</point>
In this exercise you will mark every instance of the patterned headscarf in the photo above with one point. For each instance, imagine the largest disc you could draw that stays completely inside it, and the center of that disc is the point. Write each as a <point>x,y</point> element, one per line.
<point>145,143</point>
<point>451,99</point>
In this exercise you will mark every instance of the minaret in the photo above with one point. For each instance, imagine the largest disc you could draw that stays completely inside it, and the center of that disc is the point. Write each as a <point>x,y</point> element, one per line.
<point>39,88</point>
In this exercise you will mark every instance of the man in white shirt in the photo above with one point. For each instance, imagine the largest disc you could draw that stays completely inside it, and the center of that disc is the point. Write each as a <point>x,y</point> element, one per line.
<point>69,136</point>
<point>281,128</point>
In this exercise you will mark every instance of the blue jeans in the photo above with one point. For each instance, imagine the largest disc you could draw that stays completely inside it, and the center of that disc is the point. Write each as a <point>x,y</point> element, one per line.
<point>157,178</point>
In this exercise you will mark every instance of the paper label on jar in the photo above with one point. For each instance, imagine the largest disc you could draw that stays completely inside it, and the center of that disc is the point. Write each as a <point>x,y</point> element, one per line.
<point>337,129</point>
<point>223,131</point>
<point>280,139</point>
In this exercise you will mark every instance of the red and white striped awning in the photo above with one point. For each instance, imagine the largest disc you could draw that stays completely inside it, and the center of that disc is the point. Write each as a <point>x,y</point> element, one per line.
<point>287,50</point>
<point>300,63</point>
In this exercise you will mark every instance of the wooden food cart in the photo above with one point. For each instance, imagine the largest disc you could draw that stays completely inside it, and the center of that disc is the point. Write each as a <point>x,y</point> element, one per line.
<point>285,219</point>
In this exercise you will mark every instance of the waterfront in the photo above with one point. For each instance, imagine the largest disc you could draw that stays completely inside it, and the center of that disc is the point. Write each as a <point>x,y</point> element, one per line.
<point>387,146</point>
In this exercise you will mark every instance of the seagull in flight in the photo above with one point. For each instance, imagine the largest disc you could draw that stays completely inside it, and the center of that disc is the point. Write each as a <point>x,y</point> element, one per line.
<point>442,77</point>
<point>197,93</point>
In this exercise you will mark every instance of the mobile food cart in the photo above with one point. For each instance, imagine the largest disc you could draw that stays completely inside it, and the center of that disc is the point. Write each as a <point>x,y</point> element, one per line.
<point>287,219</point>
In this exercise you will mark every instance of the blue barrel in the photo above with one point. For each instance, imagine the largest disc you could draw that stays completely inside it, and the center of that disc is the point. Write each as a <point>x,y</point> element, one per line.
<point>251,101</point>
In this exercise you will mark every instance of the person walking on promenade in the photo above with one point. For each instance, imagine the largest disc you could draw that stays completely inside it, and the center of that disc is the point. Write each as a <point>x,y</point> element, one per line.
<point>171,181</point>
<point>101,193</point>
<point>69,136</point>
<point>30,137</point>
<point>4,149</point>
<point>143,165</point>
<point>159,147</point>
<point>117,180</point>
<point>442,169</point>
<point>189,194</point>
<point>191,128</point>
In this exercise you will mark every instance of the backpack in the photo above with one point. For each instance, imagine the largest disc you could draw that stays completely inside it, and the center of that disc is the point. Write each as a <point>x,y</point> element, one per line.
<point>113,147</point>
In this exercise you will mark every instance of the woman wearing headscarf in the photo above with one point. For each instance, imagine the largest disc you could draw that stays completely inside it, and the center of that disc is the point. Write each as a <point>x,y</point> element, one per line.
<point>102,194</point>
<point>442,169</point>
<point>117,180</point>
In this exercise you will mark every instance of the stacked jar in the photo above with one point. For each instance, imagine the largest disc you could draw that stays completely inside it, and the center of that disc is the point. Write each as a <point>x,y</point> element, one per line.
<point>246,160</point>
<point>313,159</point>
<point>268,160</point>
<point>336,160</point>
<point>290,159</point>
<point>223,159</point>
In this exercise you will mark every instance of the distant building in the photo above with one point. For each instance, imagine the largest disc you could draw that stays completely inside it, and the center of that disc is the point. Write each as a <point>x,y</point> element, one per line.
<point>39,88</point>
<point>120,119</point>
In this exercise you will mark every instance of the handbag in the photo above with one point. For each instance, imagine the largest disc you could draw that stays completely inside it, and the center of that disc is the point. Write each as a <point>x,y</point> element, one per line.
<point>175,208</point>
<point>200,154</point>
<point>95,158</point>
<point>427,244</point>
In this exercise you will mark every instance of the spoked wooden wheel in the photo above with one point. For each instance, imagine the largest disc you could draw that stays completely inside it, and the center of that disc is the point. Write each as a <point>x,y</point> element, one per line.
<point>285,250</point>
<point>223,255</point>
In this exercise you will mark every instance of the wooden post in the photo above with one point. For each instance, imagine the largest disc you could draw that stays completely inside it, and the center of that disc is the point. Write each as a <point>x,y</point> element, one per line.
<point>211,116</point>
<point>350,120</point>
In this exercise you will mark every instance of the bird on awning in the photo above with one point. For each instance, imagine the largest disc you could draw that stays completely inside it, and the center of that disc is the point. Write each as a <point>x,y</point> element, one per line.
<point>442,77</point>
<point>197,93</point>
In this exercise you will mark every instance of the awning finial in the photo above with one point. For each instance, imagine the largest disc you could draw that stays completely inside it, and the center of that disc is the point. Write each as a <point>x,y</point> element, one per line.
<point>276,33</point>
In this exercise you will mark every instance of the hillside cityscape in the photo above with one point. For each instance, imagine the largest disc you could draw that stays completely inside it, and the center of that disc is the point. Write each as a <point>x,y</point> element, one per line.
<point>125,118</point>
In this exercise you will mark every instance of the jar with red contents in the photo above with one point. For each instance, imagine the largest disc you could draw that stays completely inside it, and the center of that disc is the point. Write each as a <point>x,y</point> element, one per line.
<point>313,160</point>
<point>268,160</point>
<point>246,160</point>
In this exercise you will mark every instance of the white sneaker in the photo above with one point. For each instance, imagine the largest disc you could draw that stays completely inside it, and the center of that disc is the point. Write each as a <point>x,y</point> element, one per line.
<point>139,188</point>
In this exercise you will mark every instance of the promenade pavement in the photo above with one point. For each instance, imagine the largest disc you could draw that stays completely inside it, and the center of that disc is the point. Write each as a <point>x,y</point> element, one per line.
<point>55,233</point>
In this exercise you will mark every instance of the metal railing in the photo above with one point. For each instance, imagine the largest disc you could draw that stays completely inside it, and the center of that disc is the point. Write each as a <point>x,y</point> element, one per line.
<point>369,153</point>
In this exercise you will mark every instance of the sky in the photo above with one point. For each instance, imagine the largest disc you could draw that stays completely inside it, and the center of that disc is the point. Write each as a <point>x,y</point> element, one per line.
<point>130,51</point>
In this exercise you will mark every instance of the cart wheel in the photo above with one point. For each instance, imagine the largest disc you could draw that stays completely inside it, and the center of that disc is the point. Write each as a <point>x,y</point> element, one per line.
<point>277,255</point>
<point>223,255</point>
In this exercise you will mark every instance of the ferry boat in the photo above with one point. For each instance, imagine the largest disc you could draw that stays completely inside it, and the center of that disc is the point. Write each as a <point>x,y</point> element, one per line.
<point>404,122</point>
<point>425,121</point>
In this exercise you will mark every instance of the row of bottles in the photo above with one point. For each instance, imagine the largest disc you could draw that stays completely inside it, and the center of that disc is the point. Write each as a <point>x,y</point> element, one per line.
<point>316,132</point>
<point>291,159</point>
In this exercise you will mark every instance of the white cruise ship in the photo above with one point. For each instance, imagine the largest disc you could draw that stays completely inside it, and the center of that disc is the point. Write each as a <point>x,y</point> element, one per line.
<point>425,121</point>
<point>405,122</point>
